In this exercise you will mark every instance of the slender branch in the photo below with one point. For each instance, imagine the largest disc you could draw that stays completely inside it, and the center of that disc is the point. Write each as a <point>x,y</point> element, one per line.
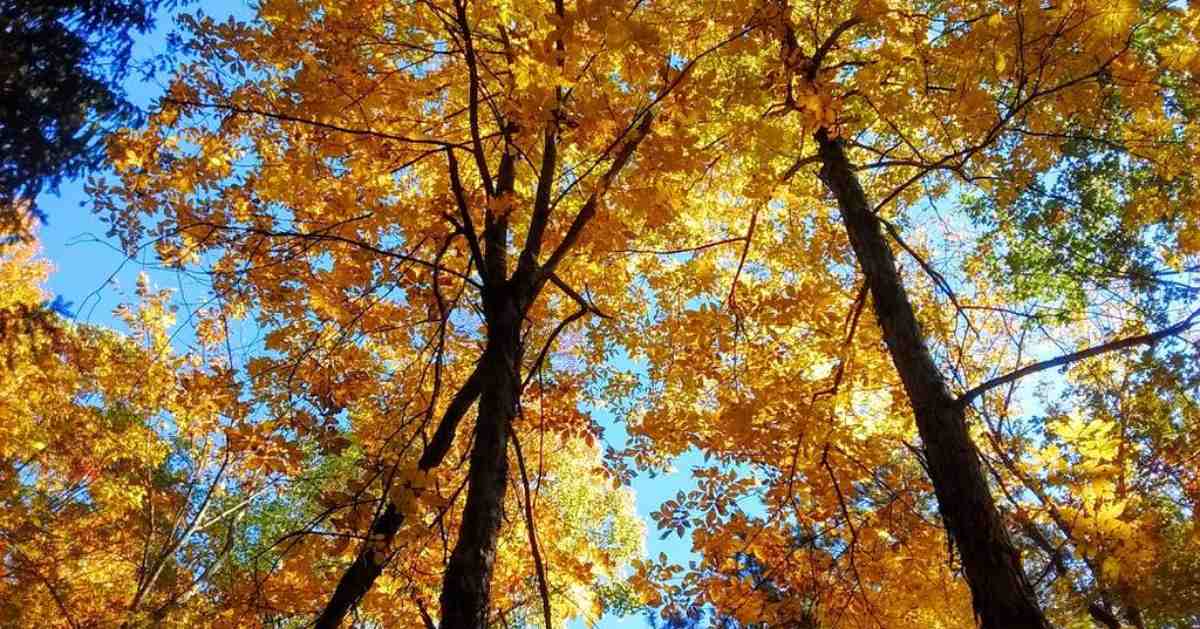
<point>62,606</point>
<point>473,95</point>
<point>329,126</point>
<point>939,280</point>
<point>1066,359</point>
<point>819,56</point>
<point>573,294</point>
<point>853,543</point>
<point>697,248</point>
<point>174,545</point>
<point>464,211</point>
<point>319,236</point>
<point>542,198</point>
<point>732,298</point>
<point>625,145</point>
<point>425,617</point>
<point>860,302</point>
<point>541,358</point>
<point>800,162</point>
<point>531,529</point>
<point>590,207</point>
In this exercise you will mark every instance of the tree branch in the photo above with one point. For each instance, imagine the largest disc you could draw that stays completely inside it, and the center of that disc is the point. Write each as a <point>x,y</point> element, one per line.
<point>274,115</point>
<point>695,249</point>
<point>541,357</point>
<point>464,211</point>
<point>473,96</point>
<point>359,577</point>
<point>573,294</point>
<point>819,56</point>
<point>542,198</point>
<point>531,529</point>
<point>1066,359</point>
<point>590,206</point>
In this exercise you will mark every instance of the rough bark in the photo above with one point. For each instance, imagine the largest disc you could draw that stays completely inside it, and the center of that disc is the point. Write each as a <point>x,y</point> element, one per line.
<point>467,581</point>
<point>1000,591</point>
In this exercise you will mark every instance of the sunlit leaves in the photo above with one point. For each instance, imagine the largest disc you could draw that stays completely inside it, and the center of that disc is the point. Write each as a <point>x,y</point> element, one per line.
<point>1031,161</point>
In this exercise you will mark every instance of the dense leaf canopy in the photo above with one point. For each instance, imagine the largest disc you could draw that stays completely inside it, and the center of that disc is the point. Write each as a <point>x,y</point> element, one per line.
<point>915,280</point>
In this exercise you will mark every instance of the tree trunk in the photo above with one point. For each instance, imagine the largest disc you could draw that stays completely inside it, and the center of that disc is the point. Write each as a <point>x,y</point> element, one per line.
<point>466,584</point>
<point>357,580</point>
<point>1103,616</point>
<point>1000,591</point>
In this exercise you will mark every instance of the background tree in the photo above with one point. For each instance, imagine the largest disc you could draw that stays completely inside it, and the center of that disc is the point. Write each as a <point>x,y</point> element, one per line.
<point>119,498</point>
<point>61,70</point>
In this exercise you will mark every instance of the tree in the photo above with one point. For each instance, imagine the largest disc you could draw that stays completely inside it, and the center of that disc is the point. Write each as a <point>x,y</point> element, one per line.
<point>1001,592</point>
<point>897,92</point>
<point>116,506</point>
<point>444,185</point>
<point>63,63</point>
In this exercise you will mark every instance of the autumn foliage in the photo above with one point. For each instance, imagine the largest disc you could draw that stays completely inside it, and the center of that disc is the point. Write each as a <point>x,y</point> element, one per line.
<point>915,281</point>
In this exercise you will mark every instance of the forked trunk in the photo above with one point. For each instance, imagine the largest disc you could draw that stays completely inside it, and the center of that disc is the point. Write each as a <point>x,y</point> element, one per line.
<point>1000,591</point>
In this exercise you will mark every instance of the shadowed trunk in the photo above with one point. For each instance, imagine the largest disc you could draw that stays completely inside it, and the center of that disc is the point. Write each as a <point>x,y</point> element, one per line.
<point>1102,616</point>
<point>361,574</point>
<point>467,581</point>
<point>1000,592</point>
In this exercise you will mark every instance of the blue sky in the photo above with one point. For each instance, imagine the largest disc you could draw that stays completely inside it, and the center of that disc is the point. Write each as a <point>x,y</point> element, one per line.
<point>92,273</point>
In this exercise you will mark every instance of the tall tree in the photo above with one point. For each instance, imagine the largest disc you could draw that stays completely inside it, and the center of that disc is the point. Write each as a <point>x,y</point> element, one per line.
<point>1001,592</point>
<point>903,87</point>
<point>444,183</point>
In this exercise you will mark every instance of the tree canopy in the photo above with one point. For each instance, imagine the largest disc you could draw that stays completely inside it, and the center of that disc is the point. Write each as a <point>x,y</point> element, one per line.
<point>916,280</point>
